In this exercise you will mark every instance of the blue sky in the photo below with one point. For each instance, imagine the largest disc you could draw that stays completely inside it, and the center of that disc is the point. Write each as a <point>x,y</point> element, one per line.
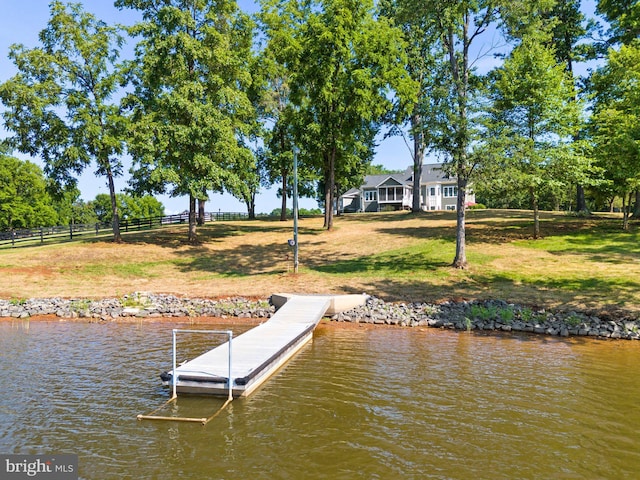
<point>21,22</point>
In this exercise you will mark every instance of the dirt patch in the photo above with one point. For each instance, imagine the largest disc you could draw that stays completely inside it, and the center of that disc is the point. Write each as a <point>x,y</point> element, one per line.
<point>37,271</point>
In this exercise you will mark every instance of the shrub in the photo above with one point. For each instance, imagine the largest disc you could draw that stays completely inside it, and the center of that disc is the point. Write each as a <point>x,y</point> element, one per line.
<point>506,315</point>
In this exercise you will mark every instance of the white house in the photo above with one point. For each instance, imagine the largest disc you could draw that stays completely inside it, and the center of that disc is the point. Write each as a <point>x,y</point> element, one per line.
<point>394,191</point>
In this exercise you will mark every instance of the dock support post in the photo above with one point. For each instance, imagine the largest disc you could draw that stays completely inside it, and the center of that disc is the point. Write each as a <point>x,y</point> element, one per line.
<point>229,379</point>
<point>174,377</point>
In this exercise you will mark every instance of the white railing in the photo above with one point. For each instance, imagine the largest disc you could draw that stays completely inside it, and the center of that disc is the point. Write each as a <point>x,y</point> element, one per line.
<point>174,381</point>
<point>174,375</point>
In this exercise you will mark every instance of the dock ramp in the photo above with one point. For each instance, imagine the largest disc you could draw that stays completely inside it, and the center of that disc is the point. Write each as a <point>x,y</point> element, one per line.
<point>256,354</point>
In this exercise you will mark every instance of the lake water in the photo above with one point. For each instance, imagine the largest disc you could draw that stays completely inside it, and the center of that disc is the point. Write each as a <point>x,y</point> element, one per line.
<point>357,403</point>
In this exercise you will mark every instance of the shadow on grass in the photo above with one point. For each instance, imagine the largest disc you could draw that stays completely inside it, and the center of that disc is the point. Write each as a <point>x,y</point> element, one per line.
<point>174,237</point>
<point>604,297</point>
<point>243,260</point>
<point>616,247</point>
<point>600,239</point>
<point>400,263</point>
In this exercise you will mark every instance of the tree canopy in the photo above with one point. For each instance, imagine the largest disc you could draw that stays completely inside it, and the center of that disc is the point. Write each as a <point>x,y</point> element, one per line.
<point>60,104</point>
<point>533,122</point>
<point>343,64</point>
<point>189,108</point>
<point>212,104</point>
<point>624,18</point>
<point>24,201</point>
<point>131,207</point>
<point>616,122</point>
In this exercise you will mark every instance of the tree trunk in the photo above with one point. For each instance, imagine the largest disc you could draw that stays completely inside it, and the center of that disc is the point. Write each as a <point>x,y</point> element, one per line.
<point>251,207</point>
<point>114,208</point>
<point>460,75</point>
<point>201,204</point>
<point>329,195</point>
<point>626,207</point>
<point>192,220</point>
<point>460,261</point>
<point>581,203</point>
<point>536,215</point>
<point>636,207</point>
<point>418,156</point>
<point>283,205</point>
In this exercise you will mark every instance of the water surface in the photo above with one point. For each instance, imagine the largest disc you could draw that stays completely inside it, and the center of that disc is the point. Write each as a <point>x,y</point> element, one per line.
<point>357,403</point>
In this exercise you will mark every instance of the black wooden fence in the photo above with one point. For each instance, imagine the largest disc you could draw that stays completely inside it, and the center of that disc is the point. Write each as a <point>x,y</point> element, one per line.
<point>69,232</point>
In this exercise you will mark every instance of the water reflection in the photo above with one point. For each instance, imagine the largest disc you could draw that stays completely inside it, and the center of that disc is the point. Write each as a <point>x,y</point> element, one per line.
<point>356,403</point>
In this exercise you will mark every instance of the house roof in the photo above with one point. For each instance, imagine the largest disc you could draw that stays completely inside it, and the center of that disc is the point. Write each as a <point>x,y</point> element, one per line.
<point>354,192</point>
<point>431,173</point>
<point>374,181</point>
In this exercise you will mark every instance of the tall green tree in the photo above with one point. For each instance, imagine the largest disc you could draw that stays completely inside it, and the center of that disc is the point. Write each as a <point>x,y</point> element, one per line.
<point>344,64</point>
<point>277,114</point>
<point>278,22</point>
<point>189,108</point>
<point>426,66</point>
<point>278,117</point>
<point>616,122</point>
<point>534,118</point>
<point>255,176</point>
<point>60,105</point>
<point>24,201</point>
<point>460,26</point>
<point>570,33</point>
<point>624,18</point>
<point>250,179</point>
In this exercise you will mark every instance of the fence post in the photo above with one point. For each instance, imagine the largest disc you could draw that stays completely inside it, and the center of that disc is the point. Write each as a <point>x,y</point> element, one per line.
<point>41,235</point>
<point>97,228</point>
<point>13,238</point>
<point>71,231</point>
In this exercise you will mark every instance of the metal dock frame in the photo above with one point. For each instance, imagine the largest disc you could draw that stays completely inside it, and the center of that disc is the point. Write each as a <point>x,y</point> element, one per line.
<point>174,381</point>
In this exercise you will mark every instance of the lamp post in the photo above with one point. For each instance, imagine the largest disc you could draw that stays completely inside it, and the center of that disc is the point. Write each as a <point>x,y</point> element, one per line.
<point>295,209</point>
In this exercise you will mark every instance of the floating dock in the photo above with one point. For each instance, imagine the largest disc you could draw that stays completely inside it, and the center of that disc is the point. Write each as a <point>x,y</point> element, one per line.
<point>258,353</point>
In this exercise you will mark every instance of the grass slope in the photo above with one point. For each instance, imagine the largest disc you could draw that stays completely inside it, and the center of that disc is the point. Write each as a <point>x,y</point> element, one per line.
<point>581,263</point>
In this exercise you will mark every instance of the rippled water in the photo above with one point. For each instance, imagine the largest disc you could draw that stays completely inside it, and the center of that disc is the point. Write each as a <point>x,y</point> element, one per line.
<point>356,403</point>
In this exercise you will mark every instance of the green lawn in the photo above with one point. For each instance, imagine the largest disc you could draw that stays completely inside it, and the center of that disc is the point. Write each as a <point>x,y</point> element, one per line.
<point>580,263</point>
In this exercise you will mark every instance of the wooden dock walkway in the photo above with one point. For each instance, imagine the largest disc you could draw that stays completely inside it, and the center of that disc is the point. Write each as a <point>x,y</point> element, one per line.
<point>257,353</point>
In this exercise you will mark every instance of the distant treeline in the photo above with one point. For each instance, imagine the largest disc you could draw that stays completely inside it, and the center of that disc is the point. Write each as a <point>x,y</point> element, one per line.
<point>29,200</point>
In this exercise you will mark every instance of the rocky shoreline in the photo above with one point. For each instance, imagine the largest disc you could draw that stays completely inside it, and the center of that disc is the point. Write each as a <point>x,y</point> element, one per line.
<point>487,315</point>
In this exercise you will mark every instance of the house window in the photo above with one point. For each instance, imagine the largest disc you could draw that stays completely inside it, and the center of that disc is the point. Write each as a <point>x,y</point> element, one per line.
<point>370,196</point>
<point>450,207</point>
<point>390,195</point>
<point>432,191</point>
<point>449,191</point>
